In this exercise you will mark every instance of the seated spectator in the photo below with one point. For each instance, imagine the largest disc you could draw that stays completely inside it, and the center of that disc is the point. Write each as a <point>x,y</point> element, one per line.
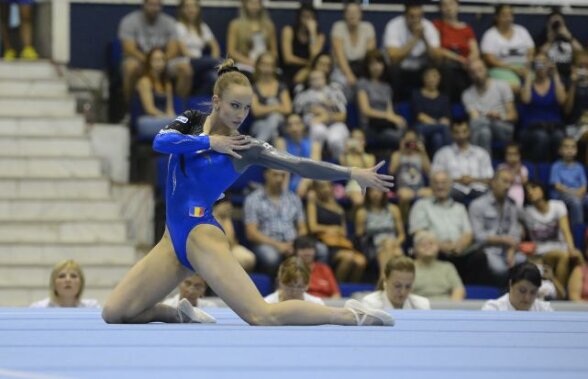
<point>193,289</point>
<point>397,287</point>
<point>490,106</point>
<point>351,39</point>
<point>324,109</point>
<point>66,287</point>
<point>558,43</point>
<point>379,227</point>
<point>551,288</point>
<point>25,8</point>
<point>322,280</point>
<point>326,220</point>
<point>524,283</point>
<point>271,99</point>
<point>449,222</point>
<point>156,96</point>
<point>542,124</point>
<point>411,167</point>
<point>432,111</point>
<point>274,217</point>
<point>223,212</point>
<point>412,43</point>
<point>297,142</point>
<point>578,284</point>
<point>142,31</point>
<point>435,279</point>
<point>576,105</point>
<point>494,218</point>
<point>568,179</point>
<point>518,170</point>
<point>322,62</point>
<point>301,42</point>
<point>292,282</point>
<point>383,127</point>
<point>507,48</point>
<point>470,166</point>
<point>195,37</point>
<point>355,156</point>
<point>251,34</point>
<point>548,228</point>
<point>458,47</point>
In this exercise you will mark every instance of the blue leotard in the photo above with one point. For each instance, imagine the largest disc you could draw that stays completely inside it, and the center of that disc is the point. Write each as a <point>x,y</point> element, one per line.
<point>198,176</point>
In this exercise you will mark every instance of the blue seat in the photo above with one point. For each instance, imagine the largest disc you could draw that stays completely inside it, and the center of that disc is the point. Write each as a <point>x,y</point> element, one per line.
<point>482,292</point>
<point>263,283</point>
<point>543,171</point>
<point>458,111</point>
<point>404,109</point>
<point>161,174</point>
<point>579,235</point>
<point>352,116</point>
<point>348,289</point>
<point>199,103</point>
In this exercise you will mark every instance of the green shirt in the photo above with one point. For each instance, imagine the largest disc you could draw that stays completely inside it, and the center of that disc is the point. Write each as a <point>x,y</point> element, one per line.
<point>436,280</point>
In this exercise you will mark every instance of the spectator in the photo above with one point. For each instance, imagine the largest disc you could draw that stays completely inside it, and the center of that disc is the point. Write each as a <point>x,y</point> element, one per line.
<point>142,31</point>
<point>324,109</point>
<point>380,228</point>
<point>568,179</point>
<point>524,283</point>
<point>490,106</point>
<point>507,48</point>
<point>195,37</point>
<point>558,43</point>
<point>355,156</point>
<point>470,166</point>
<point>223,212</point>
<point>519,172</point>
<point>156,98</point>
<point>578,283</point>
<point>251,34</point>
<point>322,62</point>
<point>193,288</point>
<point>397,287</point>
<point>326,220</point>
<point>66,287</point>
<point>301,42</point>
<point>449,222</point>
<point>435,279</point>
<point>548,228</point>
<point>432,111</point>
<point>412,42</point>
<point>293,280</point>
<point>271,99</point>
<point>551,288</point>
<point>458,47</point>
<point>297,142</point>
<point>544,96</point>
<point>322,280</point>
<point>273,219</point>
<point>576,105</point>
<point>411,167</point>
<point>383,127</point>
<point>351,39</point>
<point>494,218</point>
<point>25,8</point>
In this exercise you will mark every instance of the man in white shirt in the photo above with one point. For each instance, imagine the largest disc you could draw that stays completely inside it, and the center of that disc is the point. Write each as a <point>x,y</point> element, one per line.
<point>412,42</point>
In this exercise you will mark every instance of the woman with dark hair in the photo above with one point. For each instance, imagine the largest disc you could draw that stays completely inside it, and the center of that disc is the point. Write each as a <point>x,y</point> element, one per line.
<point>301,42</point>
<point>524,283</point>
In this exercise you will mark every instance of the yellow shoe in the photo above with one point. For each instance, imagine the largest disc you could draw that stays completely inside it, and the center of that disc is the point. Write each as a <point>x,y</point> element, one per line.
<point>29,53</point>
<point>9,55</point>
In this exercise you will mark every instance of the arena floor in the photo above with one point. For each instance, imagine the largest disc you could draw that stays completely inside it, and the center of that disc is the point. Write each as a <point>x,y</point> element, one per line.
<point>65,343</point>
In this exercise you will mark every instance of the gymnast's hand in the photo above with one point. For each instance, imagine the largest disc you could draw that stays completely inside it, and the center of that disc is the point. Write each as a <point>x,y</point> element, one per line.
<point>228,144</point>
<point>369,177</point>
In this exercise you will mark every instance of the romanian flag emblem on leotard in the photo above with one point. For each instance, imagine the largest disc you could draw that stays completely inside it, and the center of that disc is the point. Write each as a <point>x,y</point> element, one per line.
<point>196,211</point>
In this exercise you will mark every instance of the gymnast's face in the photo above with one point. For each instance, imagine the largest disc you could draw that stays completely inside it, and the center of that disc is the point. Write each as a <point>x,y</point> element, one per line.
<point>522,295</point>
<point>398,286</point>
<point>192,289</point>
<point>234,105</point>
<point>68,283</point>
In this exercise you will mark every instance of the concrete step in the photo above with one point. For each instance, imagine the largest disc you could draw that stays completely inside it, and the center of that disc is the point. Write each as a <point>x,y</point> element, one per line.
<point>38,276</point>
<point>37,107</point>
<point>32,88</point>
<point>42,126</point>
<point>49,254</point>
<point>61,210</point>
<point>114,231</point>
<point>71,189</point>
<point>27,70</point>
<point>24,297</point>
<point>45,147</point>
<point>44,168</point>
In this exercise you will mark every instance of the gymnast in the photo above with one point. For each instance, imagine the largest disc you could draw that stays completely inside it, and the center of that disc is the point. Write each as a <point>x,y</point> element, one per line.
<point>207,154</point>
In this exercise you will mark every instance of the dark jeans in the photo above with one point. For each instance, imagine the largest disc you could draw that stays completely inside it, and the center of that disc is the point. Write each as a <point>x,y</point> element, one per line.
<point>454,80</point>
<point>472,267</point>
<point>403,82</point>
<point>382,134</point>
<point>204,74</point>
<point>436,136</point>
<point>541,144</point>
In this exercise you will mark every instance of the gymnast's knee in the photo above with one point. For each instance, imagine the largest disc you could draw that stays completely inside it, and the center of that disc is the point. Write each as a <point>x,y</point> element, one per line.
<point>111,315</point>
<point>264,316</point>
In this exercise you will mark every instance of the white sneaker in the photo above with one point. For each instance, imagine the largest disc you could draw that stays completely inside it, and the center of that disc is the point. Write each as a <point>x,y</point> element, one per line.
<point>361,313</point>
<point>190,314</point>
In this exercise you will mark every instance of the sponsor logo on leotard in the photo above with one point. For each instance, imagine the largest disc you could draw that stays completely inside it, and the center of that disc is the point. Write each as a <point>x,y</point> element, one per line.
<point>182,119</point>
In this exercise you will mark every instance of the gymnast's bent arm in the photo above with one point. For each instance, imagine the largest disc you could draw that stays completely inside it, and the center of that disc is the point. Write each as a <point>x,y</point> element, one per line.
<point>177,138</point>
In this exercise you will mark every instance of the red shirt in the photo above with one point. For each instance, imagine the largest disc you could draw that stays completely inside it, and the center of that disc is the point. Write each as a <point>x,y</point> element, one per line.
<point>455,39</point>
<point>322,281</point>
